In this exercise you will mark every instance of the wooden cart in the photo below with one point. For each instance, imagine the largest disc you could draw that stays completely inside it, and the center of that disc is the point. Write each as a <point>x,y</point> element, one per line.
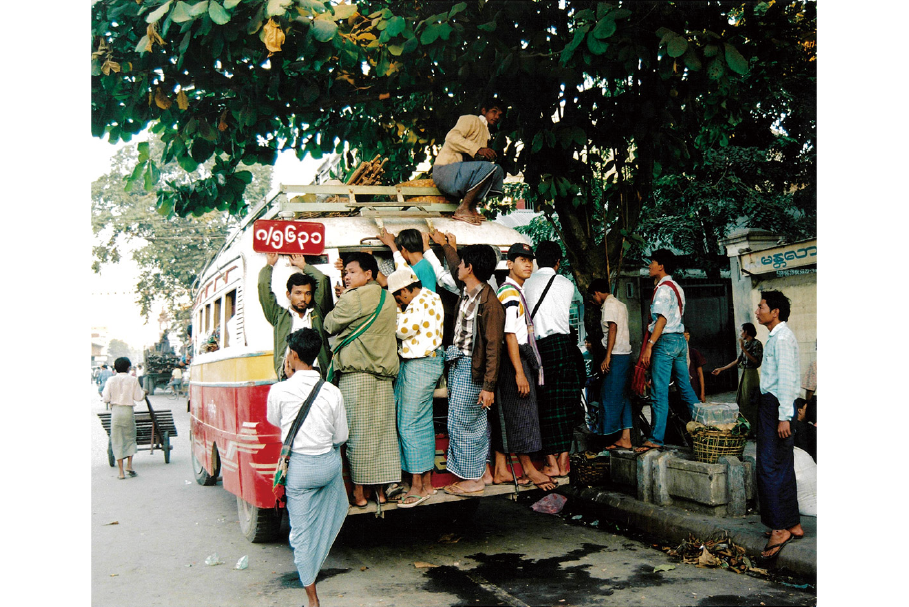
<point>153,431</point>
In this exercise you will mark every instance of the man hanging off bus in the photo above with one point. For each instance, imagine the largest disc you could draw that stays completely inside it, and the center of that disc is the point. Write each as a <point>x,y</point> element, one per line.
<point>465,167</point>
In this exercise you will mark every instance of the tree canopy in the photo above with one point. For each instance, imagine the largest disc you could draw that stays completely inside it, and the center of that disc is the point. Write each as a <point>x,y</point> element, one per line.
<point>170,251</point>
<point>605,97</point>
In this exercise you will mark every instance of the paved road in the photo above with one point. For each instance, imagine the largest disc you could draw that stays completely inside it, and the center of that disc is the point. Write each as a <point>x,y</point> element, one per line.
<point>167,525</point>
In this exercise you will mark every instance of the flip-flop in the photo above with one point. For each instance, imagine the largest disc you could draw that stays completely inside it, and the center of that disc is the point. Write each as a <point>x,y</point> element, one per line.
<point>455,489</point>
<point>779,547</point>
<point>358,506</point>
<point>395,490</point>
<point>122,478</point>
<point>132,473</point>
<point>646,448</point>
<point>420,499</point>
<point>469,219</point>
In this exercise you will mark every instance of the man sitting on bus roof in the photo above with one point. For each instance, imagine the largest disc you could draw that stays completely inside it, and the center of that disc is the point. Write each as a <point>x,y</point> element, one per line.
<point>366,358</point>
<point>309,300</point>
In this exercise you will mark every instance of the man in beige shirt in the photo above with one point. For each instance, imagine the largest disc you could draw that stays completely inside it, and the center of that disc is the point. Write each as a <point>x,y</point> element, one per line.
<point>465,168</point>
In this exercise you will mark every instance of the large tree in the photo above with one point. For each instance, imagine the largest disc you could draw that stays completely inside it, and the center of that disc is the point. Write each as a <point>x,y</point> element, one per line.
<point>605,97</point>
<point>170,251</point>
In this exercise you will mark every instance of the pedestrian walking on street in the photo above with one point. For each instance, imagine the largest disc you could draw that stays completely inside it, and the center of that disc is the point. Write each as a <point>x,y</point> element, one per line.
<point>122,391</point>
<point>316,497</point>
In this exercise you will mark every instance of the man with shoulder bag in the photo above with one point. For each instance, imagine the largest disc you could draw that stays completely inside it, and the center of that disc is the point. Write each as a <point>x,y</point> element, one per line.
<point>310,413</point>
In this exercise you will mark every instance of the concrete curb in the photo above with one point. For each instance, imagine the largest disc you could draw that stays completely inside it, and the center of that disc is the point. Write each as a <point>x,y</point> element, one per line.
<point>673,525</point>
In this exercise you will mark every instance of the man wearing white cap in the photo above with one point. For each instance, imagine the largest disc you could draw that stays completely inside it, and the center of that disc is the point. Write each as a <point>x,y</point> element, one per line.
<point>419,333</point>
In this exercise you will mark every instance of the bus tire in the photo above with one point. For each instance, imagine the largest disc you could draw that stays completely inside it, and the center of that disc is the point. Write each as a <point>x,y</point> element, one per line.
<point>259,525</point>
<point>202,476</point>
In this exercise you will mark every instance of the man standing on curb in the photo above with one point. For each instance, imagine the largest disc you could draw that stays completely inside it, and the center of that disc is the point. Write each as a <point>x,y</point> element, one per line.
<point>666,349</point>
<point>775,470</point>
<point>549,298</point>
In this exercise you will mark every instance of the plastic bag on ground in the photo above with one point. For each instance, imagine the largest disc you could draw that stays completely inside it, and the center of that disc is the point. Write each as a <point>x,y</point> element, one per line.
<point>551,504</point>
<point>243,563</point>
<point>805,482</point>
<point>213,560</point>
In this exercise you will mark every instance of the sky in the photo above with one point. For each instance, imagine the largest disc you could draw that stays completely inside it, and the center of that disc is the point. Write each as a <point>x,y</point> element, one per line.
<point>112,290</point>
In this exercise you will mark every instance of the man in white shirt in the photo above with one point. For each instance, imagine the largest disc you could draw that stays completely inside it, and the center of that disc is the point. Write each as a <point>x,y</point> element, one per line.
<point>316,498</point>
<point>549,297</point>
<point>615,408</point>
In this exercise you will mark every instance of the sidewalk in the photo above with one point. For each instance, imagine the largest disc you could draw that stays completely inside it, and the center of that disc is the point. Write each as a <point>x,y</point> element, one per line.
<point>674,524</point>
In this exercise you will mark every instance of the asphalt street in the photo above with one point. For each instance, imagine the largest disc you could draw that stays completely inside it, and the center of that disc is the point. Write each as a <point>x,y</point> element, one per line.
<point>151,536</point>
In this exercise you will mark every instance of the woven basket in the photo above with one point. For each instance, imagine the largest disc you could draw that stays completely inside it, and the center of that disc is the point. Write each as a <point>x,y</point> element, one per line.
<point>710,445</point>
<point>589,471</point>
<point>423,183</point>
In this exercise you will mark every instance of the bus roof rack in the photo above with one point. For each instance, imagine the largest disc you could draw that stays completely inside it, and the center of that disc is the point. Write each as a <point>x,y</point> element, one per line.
<point>388,201</point>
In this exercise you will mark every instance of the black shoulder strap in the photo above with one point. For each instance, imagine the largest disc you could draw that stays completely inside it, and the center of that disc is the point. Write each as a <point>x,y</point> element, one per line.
<point>543,296</point>
<point>304,411</point>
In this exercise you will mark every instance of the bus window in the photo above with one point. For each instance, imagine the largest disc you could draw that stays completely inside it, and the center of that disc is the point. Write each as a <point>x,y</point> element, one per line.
<point>229,335</point>
<point>207,319</point>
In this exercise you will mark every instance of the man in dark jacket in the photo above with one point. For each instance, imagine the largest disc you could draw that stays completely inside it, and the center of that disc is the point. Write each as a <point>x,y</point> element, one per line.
<point>474,358</point>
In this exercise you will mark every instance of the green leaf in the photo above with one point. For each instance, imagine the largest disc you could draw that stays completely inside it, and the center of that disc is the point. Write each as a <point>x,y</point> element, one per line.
<point>395,26</point>
<point>181,13</point>
<point>198,9</point>
<point>605,28</point>
<point>324,30</point>
<point>276,8</point>
<point>143,42</point>
<point>430,34</point>
<point>411,45</point>
<point>620,13</point>
<point>677,46</point>
<point>218,14</point>
<point>395,49</point>
<point>345,11</point>
<point>231,3</point>
<point>715,69</point>
<point>711,50</point>
<point>187,163</point>
<point>734,60</point>
<point>537,144</point>
<point>244,176</point>
<point>596,46</point>
<point>691,60</point>
<point>142,148</point>
<point>457,8</point>
<point>158,12</point>
<point>487,27</point>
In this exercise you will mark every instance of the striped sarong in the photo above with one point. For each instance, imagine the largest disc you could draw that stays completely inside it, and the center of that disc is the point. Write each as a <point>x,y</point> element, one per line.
<point>458,178</point>
<point>372,449</point>
<point>122,431</point>
<point>522,421</point>
<point>316,507</point>
<point>468,428</point>
<point>414,386</point>
<point>559,399</point>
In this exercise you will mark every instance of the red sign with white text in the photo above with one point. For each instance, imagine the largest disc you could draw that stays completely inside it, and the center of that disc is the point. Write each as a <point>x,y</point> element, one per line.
<point>288,237</point>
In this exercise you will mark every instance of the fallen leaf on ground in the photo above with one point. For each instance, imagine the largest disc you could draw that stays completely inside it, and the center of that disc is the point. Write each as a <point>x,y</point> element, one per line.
<point>363,568</point>
<point>707,559</point>
<point>663,568</point>
<point>113,523</point>
<point>449,538</point>
<point>423,565</point>
<point>114,574</point>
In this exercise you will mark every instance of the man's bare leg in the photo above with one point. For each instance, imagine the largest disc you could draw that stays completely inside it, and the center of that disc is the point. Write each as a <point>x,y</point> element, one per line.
<point>120,465</point>
<point>551,468</point>
<point>311,595</point>
<point>536,477</point>
<point>359,495</point>
<point>501,473</point>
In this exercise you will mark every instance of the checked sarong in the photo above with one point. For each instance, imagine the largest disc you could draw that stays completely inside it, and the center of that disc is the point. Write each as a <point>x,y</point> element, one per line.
<point>559,399</point>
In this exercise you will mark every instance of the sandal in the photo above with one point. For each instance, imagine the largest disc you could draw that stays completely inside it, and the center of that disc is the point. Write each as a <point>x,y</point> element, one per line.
<point>469,219</point>
<point>132,473</point>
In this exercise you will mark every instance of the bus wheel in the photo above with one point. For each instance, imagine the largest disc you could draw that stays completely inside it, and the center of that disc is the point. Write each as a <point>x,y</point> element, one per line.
<point>259,525</point>
<point>203,477</point>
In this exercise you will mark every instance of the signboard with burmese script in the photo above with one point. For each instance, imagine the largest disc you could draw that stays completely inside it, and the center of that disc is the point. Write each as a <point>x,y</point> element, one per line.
<point>288,237</point>
<point>786,257</point>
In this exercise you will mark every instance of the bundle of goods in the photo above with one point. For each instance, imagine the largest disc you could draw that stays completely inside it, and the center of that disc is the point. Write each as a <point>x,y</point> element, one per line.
<point>717,429</point>
<point>588,469</point>
<point>424,183</point>
<point>159,363</point>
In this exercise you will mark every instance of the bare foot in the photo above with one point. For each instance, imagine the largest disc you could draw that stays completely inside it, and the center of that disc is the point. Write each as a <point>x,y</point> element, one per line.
<point>487,477</point>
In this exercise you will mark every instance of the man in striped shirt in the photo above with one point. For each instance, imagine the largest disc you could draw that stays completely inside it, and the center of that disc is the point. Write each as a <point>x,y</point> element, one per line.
<point>775,470</point>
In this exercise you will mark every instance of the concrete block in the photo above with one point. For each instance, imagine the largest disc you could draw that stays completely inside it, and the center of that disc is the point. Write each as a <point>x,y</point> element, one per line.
<point>697,481</point>
<point>750,491</point>
<point>660,472</point>
<point>645,475</point>
<point>735,485</point>
<point>623,468</point>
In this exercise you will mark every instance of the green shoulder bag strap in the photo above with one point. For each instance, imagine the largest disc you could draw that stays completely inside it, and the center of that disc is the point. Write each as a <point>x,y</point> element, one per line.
<point>354,335</point>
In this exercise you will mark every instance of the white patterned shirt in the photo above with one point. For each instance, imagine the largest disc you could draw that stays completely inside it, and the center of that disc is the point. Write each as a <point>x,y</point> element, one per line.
<point>666,304</point>
<point>615,311</point>
<point>122,389</point>
<point>780,369</point>
<point>509,295</point>
<point>419,328</point>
